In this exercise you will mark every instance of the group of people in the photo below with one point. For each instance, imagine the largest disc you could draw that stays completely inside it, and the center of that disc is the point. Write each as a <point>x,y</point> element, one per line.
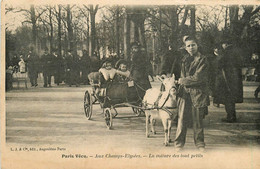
<point>217,74</point>
<point>71,68</point>
<point>123,70</point>
<point>198,76</point>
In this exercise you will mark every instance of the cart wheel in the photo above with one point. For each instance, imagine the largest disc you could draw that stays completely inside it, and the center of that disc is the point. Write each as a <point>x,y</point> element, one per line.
<point>108,117</point>
<point>137,111</point>
<point>88,105</point>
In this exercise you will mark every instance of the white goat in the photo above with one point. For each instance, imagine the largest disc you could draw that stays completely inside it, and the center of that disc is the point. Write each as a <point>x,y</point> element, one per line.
<point>167,104</point>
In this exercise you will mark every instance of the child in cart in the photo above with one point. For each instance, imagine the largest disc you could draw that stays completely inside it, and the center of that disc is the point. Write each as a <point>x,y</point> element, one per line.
<point>107,73</point>
<point>122,73</point>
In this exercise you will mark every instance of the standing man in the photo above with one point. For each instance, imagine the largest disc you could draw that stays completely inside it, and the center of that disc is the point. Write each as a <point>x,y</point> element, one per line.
<point>72,69</point>
<point>95,63</point>
<point>171,63</point>
<point>139,69</point>
<point>58,67</point>
<point>32,67</point>
<point>85,67</point>
<point>47,67</point>
<point>228,87</point>
<point>193,95</point>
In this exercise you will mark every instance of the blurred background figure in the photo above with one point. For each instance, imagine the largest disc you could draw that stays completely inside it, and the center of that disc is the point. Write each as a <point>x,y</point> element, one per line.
<point>139,69</point>
<point>14,63</point>
<point>228,86</point>
<point>8,78</point>
<point>85,67</point>
<point>22,65</point>
<point>32,62</point>
<point>58,66</point>
<point>47,67</point>
<point>72,69</point>
<point>95,63</point>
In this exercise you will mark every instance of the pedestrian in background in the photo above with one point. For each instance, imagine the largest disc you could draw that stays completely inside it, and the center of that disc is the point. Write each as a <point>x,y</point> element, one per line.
<point>95,63</point>
<point>14,63</point>
<point>257,72</point>
<point>58,67</point>
<point>193,95</point>
<point>72,69</point>
<point>85,67</point>
<point>32,62</point>
<point>22,65</point>
<point>171,63</point>
<point>228,85</point>
<point>47,67</point>
<point>139,69</point>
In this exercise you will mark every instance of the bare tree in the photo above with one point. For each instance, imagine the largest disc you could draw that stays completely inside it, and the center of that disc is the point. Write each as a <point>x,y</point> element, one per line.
<point>193,19</point>
<point>127,33</point>
<point>92,12</point>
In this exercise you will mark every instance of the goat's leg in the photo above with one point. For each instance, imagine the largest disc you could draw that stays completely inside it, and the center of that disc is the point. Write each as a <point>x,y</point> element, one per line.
<point>147,116</point>
<point>169,130</point>
<point>152,124</point>
<point>165,129</point>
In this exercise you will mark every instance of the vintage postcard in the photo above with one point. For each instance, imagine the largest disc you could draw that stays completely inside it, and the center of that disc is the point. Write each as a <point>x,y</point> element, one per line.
<point>130,84</point>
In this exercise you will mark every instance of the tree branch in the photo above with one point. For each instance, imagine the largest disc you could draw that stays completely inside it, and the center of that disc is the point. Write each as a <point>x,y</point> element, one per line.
<point>255,11</point>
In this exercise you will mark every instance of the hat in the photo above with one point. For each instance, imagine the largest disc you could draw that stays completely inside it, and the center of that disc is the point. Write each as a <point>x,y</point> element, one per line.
<point>119,62</point>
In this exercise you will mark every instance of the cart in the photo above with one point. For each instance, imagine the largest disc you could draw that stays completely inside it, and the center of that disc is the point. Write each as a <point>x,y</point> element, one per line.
<point>113,95</point>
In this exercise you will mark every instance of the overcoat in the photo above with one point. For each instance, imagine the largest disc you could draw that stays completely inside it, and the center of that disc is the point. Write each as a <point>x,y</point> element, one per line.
<point>171,63</point>
<point>228,85</point>
<point>194,80</point>
<point>47,63</point>
<point>139,70</point>
<point>32,63</point>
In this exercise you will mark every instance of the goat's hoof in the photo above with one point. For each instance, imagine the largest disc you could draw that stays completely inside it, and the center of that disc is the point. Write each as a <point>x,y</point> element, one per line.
<point>147,135</point>
<point>166,144</point>
<point>170,141</point>
<point>154,132</point>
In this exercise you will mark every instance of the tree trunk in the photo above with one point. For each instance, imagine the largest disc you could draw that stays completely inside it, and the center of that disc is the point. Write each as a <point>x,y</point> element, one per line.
<point>193,20</point>
<point>142,34</point>
<point>184,17</point>
<point>34,29</point>
<point>70,30</point>
<point>92,45</point>
<point>160,30</point>
<point>233,15</point>
<point>138,18</point>
<point>226,18</point>
<point>51,31</point>
<point>127,36</point>
<point>117,32</point>
<point>88,32</point>
<point>59,30</point>
<point>174,27</point>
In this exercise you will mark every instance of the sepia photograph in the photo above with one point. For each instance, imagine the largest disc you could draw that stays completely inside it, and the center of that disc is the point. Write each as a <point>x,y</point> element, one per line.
<point>123,85</point>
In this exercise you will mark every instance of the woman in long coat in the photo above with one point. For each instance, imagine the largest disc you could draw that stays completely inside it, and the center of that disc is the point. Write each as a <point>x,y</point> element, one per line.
<point>228,86</point>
